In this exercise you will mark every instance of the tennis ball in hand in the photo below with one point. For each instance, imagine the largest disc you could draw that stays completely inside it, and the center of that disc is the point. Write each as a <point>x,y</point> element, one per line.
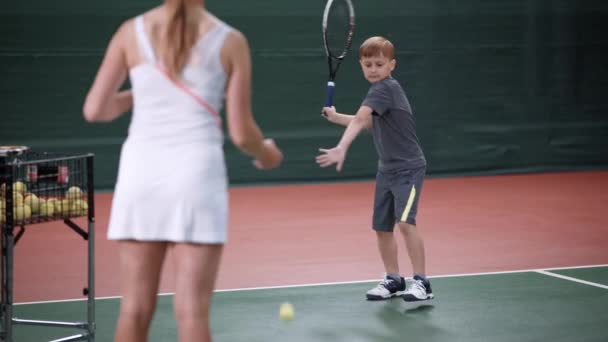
<point>286,312</point>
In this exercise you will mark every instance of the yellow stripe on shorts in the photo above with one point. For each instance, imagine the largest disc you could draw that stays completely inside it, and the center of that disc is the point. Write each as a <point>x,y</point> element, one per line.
<point>408,206</point>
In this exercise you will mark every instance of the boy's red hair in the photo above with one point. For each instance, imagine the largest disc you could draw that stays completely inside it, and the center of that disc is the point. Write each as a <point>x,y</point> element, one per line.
<point>377,46</point>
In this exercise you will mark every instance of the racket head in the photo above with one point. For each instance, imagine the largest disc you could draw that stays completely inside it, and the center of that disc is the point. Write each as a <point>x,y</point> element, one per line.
<point>338,27</point>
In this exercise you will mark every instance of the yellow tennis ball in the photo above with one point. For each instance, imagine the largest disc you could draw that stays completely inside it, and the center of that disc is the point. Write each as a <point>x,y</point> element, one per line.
<point>65,208</point>
<point>27,210</point>
<point>17,199</point>
<point>74,193</point>
<point>286,312</point>
<point>22,213</point>
<point>80,207</point>
<point>47,209</point>
<point>33,201</point>
<point>52,202</point>
<point>19,186</point>
<point>62,207</point>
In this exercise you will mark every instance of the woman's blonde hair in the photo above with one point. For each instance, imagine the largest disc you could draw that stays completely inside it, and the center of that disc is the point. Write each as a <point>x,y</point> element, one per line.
<point>182,31</point>
<point>377,46</point>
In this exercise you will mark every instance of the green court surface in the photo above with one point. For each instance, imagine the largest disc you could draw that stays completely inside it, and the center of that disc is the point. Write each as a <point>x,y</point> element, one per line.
<point>512,306</point>
<point>593,274</point>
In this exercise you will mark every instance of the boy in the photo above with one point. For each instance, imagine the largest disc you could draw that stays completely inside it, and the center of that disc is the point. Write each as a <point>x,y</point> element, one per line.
<point>401,168</point>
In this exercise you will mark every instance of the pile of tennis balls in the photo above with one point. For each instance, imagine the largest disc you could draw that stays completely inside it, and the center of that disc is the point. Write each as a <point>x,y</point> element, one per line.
<point>27,204</point>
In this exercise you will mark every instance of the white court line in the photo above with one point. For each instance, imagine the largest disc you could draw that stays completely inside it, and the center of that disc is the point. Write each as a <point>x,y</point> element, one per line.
<point>338,283</point>
<point>551,274</point>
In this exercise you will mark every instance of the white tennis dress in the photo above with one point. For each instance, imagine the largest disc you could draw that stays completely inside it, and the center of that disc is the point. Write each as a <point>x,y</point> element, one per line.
<point>172,183</point>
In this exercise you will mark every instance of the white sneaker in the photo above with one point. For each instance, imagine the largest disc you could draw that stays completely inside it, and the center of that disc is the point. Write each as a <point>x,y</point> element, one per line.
<point>386,289</point>
<point>418,290</point>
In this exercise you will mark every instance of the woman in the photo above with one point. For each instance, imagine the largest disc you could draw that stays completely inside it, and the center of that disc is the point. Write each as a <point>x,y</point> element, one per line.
<point>171,192</point>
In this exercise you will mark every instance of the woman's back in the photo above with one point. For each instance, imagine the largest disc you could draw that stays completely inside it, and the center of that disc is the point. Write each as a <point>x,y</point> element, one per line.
<point>181,110</point>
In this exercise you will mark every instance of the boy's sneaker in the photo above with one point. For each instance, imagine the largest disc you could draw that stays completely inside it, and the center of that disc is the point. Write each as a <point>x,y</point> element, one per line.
<point>386,289</point>
<point>418,290</point>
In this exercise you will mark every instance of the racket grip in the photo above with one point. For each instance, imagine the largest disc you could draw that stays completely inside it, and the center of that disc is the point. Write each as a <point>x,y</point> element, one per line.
<point>329,100</point>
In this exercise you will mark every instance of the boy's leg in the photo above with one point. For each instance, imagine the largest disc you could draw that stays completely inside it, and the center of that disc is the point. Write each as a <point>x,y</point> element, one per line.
<point>383,223</point>
<point>420,289</point>
<point>415,247</point>
<point>387,246</point>
<point>406,188</point>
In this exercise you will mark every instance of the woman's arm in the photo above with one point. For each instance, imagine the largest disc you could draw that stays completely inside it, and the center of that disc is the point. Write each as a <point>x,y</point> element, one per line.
<point>243,130</point>
<point>105,101</point>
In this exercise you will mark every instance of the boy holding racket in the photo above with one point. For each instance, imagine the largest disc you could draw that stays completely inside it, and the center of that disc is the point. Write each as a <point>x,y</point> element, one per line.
<point>401,168</point>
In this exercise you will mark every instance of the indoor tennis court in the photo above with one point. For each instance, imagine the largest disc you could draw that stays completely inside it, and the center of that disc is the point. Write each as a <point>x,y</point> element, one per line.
<point>541,276</point>
<point>509,100</point>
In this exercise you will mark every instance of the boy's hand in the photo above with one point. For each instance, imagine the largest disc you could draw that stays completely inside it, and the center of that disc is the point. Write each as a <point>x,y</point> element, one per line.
<point>332,156</point>
<point>329,113</point>
<point>271,158</point>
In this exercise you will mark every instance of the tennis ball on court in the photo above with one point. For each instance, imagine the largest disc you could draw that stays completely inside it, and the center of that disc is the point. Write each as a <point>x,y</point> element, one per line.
<point>33,201</point>
<point>286,312</point>
<point>74,193</point>
<point>19,186</point>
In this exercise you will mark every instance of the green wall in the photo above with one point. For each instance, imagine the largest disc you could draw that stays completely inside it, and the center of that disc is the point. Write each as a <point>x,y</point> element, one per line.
<point>497,86</point>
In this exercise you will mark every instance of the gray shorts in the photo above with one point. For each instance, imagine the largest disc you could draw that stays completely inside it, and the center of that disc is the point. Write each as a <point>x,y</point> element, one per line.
<point>396,197</point>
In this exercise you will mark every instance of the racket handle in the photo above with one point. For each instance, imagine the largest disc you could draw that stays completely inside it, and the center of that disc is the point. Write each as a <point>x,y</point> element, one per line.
<point>329,100</point>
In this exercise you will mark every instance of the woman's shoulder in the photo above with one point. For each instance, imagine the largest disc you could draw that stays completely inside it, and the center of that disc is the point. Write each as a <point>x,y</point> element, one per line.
<point>231,32</point>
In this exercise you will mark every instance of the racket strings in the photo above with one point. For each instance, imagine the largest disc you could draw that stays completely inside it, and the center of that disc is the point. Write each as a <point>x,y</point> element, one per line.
<point>338,28</point>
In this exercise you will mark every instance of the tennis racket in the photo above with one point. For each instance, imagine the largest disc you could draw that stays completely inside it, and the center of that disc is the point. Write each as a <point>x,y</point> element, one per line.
<point>338,29</point>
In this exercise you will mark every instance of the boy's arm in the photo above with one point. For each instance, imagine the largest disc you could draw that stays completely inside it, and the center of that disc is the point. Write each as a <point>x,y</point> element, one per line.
<point>334,117</point>
<point>359,122</point>
<point>336,155</point>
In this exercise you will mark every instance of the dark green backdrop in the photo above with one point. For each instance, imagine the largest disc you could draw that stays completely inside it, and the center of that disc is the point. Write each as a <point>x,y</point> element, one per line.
<point>496,85</point>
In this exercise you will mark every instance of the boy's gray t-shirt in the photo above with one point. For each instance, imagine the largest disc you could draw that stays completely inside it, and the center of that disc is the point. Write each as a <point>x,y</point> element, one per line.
<point>394,127</point>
